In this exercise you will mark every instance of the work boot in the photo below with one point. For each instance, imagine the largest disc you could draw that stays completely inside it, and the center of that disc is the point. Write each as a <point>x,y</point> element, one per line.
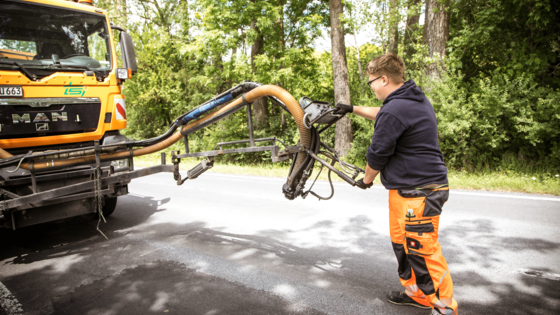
<point>401,298</point>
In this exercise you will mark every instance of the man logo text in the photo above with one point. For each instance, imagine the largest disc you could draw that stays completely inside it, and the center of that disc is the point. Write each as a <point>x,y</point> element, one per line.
<point>39,117</point>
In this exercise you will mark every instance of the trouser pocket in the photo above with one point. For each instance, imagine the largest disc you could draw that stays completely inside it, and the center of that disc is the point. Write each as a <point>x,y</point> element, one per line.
<point>421,243</point>
<point>419,228</point>
<point>420,238</point>
<point>434,202</point>
<point>414,201</point>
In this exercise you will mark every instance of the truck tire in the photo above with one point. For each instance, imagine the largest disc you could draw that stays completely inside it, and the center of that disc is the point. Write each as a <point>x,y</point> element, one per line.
<point>109,206</point>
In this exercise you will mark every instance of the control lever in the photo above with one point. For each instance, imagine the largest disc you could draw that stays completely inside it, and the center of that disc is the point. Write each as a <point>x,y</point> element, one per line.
<point>319,112</point>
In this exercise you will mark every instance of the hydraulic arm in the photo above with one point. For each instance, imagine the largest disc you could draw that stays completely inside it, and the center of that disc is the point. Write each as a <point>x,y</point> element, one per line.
<point>308,114</point>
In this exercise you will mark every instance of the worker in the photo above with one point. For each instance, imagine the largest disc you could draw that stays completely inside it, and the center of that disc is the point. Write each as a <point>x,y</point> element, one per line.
<point>405,150</point>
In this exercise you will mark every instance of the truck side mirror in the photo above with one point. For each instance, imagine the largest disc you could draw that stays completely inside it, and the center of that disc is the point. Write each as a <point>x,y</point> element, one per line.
<point>127,48</point>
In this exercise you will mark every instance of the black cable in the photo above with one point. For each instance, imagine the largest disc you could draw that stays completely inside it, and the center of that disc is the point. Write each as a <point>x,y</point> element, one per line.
<point>332,189</point>
<point>235,91</point>
<point>152,141</point>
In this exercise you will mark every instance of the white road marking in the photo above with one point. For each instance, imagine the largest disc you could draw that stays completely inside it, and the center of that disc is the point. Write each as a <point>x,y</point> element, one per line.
<point>503,196</point>
<point>8,302</point>
<point>454,192</point>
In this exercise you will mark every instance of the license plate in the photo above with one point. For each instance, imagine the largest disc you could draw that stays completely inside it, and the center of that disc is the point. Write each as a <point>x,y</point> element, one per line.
<point>11,91</point>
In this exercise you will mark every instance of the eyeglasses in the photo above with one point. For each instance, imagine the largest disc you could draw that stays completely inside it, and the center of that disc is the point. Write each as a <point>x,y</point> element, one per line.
<point>370,82</point>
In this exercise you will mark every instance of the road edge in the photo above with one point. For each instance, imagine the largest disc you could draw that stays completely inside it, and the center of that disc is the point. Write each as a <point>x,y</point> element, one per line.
<point>8,302</point>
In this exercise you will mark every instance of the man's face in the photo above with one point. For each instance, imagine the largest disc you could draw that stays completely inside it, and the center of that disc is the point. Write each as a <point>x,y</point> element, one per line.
<point>378,85</point>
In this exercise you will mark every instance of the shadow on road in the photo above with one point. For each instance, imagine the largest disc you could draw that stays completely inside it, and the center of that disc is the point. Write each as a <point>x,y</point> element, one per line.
<point>171,288</point>
<point>355,257</point>
<point>77,229</point>
<point>484,249</point>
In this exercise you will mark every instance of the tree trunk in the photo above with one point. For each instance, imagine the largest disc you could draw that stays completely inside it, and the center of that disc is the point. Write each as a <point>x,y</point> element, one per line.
<point>343,131</point>
<point>412,19</point>
<point>359,64</point>
<point>426,22</point>
<point>394,18</point>
<point>257,45</point>
<point>383,43</point>
<point>283,123</point>
<point>260,112</point>
<point>260,106</point>
<point>217,62</point>
<point>437,33</point>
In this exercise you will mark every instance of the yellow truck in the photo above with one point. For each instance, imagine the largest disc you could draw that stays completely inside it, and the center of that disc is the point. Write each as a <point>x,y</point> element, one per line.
<point>60,89</point>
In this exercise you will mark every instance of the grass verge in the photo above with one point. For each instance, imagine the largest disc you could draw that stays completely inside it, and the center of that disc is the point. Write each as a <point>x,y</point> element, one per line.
<point>504,181</point>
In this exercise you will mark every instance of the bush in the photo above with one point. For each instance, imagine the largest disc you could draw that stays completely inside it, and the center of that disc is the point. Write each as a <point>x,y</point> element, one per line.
<point>483,121</point>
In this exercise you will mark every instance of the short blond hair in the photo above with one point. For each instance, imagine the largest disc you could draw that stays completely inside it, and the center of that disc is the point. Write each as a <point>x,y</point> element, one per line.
<point>389,65</point>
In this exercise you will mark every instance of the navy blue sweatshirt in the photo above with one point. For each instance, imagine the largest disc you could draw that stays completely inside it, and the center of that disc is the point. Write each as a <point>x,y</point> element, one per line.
<point>405,144</point>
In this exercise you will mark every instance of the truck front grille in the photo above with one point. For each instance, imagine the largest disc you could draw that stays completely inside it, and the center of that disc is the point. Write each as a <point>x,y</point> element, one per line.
<point>34,117</point>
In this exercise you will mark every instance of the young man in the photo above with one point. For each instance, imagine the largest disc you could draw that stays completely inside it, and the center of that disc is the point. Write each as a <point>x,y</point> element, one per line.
<point>405,150</point>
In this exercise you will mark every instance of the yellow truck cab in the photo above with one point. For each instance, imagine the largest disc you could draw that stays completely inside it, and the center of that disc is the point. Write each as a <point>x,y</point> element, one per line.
<point>58,74</point>
<point>60,88</point>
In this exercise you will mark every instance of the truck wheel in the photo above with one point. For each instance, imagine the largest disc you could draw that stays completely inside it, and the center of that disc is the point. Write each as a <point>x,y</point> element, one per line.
<point>109,206</point>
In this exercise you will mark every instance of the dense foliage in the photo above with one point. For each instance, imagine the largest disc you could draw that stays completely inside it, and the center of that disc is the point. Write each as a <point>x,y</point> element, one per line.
<point>501,95</point>
<point>498,98</point>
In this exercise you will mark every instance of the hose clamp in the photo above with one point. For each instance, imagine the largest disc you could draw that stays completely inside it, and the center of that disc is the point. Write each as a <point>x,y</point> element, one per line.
<point>244,100</point>
<point>181,131</point>
<point>305,120</point>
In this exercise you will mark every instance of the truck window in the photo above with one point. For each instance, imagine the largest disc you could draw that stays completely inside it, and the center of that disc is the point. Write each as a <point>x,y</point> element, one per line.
<point>117,41</point>
<point>54,38</point>
<point>17,49</point>
<point>97,46</point>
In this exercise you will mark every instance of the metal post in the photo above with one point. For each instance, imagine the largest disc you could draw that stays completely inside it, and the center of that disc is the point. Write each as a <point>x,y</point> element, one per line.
<point>176,161</point>
<point>163,158</point>
<point>131,161</point>
<point>186,139</point>
<point>33,178</point>
<point>97,159</point>
<point>13,221</point>
<point>250,124</point>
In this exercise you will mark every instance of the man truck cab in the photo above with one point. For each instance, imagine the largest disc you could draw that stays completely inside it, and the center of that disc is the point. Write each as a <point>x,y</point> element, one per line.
<point>60,88</point>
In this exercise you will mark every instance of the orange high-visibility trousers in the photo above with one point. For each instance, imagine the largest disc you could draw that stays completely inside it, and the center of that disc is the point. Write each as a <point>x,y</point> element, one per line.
<point>414,225</point>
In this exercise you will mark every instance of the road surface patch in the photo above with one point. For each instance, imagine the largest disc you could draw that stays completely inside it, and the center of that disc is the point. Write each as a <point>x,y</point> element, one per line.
<point>169,287</point>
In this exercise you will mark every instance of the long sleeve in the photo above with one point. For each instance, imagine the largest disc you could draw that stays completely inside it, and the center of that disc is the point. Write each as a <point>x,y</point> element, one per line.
<point>387,130</point>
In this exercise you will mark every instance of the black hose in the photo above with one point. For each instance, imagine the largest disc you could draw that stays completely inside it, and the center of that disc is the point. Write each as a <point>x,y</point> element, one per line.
<point>152,141</point>
<point>290,189</point>
<point>235,91</point>
<point>296,175</point>
<point>315,146</point>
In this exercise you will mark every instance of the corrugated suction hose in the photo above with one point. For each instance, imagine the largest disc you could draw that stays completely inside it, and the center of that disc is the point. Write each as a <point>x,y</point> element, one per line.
<point>251,96</point>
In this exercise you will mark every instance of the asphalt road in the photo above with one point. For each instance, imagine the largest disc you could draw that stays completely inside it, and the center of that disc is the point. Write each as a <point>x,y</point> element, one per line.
<point>224,244</point>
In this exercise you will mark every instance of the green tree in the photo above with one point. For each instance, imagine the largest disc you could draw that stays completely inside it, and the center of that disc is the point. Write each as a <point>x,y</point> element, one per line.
<point>514,37</point>
<point>500,96</point>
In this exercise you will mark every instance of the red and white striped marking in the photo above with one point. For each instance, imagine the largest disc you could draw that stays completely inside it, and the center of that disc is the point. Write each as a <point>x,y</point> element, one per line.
<point>120,109</point>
